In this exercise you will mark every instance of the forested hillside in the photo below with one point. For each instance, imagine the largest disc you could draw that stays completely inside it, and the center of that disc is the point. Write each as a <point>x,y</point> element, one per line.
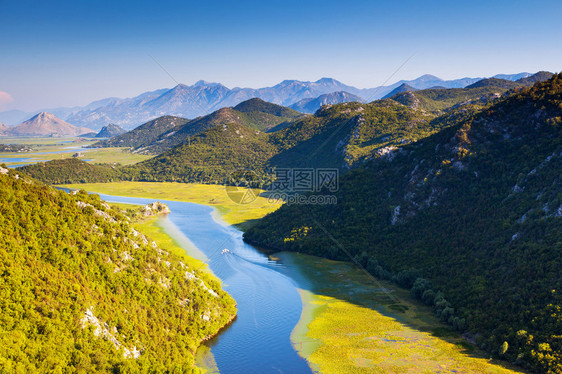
<point>254,113</point>
<point>468,218</point>
<point>144,134</point>
<point>83,292</point>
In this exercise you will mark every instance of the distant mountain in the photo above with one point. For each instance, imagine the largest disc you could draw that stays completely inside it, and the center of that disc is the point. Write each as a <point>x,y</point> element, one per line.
<point>512,77</point>
<point>541,76</point>
<point>46,124</point>
<point>144,134</point>
<point>311,105</point>
<point>204,97</point>
<point>110,131</point>
<point>402,88</point>
<point>13,117</point>
<point>3,129</point>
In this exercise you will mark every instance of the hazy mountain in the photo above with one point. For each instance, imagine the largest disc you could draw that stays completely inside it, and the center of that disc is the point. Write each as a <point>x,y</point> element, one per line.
<point>402,88</point>
<point>13,117</point>
<point>144,134</point>
<point>204,97</point>
<point>123,112</point>
<point>46,124</point>
<point>311,105</point>
<point>3,129</point>
<point>110,131</point>
<point>512,77</point>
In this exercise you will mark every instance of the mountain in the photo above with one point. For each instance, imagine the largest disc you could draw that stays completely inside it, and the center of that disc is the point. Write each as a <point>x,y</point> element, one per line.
<point>311,105</point>
<point>144,134</point>
<point>256,105</point>
<point>541,76</point>
<point>71,170</point>
<point>126,113</point>
<point>110,131</point>
<point>209,156</point>
<point>254,113</point>
<point>512,77</point>
<point>204,97</point>
<point>14,117</point>
<point>3,129</point>
<point>402,88</point>
<point>437,100</point>
<point>469,219</point>
<point>46,124</point>
<point>82,289</point>
<point>342,136</point>
<point>496,82</point>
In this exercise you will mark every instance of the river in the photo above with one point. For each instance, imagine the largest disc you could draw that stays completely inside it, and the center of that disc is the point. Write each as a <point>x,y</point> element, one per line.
<point>269,305</point>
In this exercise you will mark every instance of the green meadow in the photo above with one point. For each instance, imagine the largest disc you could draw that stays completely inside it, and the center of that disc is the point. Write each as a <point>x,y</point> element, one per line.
<point>58,148</point>
<point>353,323</point>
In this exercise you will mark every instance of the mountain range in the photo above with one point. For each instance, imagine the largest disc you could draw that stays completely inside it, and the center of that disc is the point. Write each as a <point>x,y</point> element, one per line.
<point>205,97</point>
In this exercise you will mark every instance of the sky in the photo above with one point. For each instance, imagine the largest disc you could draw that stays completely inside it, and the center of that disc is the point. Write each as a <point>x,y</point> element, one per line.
<point>65,53</point>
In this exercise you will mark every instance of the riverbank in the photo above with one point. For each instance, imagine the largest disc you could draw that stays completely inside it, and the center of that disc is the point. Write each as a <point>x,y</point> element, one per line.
<point>352,323</point>
<point>156,228</point>
<point>233,213</point>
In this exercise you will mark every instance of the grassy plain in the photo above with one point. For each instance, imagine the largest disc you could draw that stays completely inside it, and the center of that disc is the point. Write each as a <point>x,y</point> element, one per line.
<point>353,323</point>
<point>58,148</point>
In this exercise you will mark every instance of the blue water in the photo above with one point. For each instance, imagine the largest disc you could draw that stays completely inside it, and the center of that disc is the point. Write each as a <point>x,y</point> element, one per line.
<point>269,306</point>
<point>14,159</point>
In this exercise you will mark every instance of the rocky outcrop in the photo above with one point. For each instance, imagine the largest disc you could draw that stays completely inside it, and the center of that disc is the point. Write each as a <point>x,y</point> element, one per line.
<point>155,208</point>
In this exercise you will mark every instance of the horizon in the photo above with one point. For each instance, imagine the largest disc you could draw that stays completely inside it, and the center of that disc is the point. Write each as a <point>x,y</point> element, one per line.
<point>46,110</point>
<point>70,54</point>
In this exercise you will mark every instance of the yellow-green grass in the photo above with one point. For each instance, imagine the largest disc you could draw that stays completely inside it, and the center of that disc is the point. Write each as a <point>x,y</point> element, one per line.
<point>232,212</point>
<point>59,150</point>
<point>38,140</point>
<point>352,323</point>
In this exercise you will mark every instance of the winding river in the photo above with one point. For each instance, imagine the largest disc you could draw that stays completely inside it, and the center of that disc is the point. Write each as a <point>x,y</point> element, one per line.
<point>269,306</point>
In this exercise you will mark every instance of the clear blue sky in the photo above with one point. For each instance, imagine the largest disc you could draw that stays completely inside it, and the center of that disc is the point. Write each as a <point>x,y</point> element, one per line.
<point>63,53</point>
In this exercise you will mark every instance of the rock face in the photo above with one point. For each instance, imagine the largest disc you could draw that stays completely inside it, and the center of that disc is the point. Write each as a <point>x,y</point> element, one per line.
<point>46,124</point>
<point>155,208</point>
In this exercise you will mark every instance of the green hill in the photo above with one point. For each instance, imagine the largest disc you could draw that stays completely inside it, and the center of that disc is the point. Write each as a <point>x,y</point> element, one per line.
<point>435,100</point>
<point>208,157</point>
<point>342,136</point>
<point>253,113</point>
<point>495,82</point>
<point>541,76</point>
<point>72,170</point>
<point>83,292</point>
<point>469,218</point>
<point>256,105</point>
<point>144,134</point>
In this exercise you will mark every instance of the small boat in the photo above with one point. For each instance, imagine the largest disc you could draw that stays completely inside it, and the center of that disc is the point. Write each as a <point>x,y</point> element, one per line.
<point>226,250</point>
